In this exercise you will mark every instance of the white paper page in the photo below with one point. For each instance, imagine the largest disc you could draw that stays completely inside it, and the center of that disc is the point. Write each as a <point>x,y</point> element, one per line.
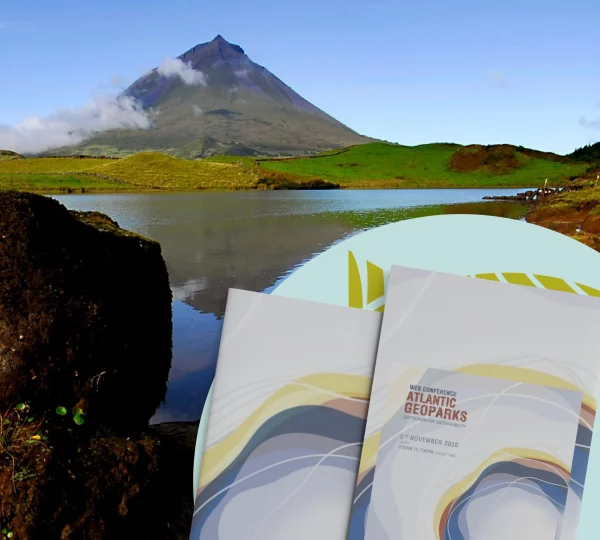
<point>287,420</point>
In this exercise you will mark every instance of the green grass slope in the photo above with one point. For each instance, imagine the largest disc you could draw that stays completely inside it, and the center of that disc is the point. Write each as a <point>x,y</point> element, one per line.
<point>431,165</point>
<point>373,165</point>
<point>145,171</point>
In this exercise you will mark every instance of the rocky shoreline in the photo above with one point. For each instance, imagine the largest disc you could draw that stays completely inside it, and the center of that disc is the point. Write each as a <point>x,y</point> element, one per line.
<point>573,211</point>
<point>533,195</point>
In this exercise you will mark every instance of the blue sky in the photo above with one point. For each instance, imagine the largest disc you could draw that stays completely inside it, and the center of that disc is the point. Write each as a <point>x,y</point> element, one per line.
<point>413,71</point>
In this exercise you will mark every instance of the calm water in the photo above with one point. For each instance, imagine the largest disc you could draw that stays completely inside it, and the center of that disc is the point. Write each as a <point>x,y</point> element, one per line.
<point>252,240</point>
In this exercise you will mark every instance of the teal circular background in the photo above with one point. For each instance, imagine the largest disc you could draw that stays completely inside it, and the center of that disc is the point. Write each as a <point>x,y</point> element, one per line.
<point>456,244</point>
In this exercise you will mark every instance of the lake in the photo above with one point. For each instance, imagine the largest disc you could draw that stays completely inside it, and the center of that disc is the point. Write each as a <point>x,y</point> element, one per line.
<point>212,241</point>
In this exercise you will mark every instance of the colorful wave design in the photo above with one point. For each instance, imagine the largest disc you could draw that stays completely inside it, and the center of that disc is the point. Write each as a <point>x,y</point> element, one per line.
<point>578,470</point>
<point>534,472</point>
<point>308,426</point>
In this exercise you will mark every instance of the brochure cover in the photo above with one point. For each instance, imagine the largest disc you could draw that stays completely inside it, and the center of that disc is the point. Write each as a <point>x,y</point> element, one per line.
<point>535,339</point>
<point>476,457</point>
<point>287,420</point>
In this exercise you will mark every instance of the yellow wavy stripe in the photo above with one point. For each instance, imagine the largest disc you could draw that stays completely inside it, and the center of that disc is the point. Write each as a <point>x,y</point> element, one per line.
<point>218,457</point>
<point>355,294</point>
<point>464,485</point>
<point>524,375</point>
<point>368,457</point>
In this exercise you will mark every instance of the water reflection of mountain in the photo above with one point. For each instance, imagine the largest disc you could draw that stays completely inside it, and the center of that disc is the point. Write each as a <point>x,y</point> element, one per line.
<point>208,258</point>
<point>248,240</point>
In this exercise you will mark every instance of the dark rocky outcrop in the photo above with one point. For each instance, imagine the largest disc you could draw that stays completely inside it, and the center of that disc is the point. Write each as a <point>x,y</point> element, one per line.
<point>85,352</point>
<point>85,314</point>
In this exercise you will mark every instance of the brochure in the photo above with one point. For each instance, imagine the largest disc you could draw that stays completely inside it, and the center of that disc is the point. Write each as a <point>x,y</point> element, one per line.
<point>287,420</point>
<point>503,367</point>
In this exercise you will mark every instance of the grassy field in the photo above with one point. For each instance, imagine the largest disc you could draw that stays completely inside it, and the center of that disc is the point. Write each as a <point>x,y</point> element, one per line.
<point>144,171</point>
<point>430,165</point>
<point>57,183</point>
<point>374,165</point>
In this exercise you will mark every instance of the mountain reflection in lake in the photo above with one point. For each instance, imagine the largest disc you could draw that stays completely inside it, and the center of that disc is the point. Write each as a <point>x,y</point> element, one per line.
<point>252,240</point>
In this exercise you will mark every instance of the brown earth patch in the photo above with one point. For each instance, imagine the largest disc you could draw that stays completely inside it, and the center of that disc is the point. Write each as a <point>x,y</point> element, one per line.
<point>498,159</point>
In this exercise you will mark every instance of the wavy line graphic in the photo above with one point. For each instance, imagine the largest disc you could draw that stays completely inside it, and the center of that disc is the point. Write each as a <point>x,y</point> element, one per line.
<point>308,429</point>
<point>528,469</point>
<point>535,472</point>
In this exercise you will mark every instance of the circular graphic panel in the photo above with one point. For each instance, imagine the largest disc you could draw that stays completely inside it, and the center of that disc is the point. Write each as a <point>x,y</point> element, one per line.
<point>355,271</point>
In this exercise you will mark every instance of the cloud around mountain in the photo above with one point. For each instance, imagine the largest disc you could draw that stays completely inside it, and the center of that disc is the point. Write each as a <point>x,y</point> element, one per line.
<point>68,127</point>
<point>188,75</point>
<point>211,99</point>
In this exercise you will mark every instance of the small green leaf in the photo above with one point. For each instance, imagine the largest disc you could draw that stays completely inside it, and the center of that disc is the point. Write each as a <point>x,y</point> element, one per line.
<point>9,534</point>
<point>78,419</point>
<point>61,410</point>
<point>30,419</point>
<point>20,406</point>
<point>5,530</point>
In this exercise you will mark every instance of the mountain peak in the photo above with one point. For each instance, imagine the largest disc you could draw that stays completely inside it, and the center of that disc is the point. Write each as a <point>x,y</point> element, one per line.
<point>221,43</point>
<point>242,108</point>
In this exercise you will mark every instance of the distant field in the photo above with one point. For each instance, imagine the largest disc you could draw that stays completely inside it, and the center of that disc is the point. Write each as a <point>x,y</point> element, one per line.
<point>144,171</point>
<point>374,165</point>
<point>431,165</point>
<point>52,183</point>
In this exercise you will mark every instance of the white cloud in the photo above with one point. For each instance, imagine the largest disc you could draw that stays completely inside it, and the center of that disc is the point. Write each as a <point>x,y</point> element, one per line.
<point>498,78</point>
<point>175,67</point>
<point>67,127</point>
<point>197,111</point>
<point>187,290</point>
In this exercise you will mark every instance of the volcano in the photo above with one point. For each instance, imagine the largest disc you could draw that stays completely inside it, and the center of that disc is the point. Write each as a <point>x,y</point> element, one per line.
<point>223,104</point>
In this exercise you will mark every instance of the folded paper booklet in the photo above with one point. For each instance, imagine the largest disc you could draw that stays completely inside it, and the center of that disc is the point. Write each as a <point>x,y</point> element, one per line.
<point>287,420</point>
<point>481,414</point>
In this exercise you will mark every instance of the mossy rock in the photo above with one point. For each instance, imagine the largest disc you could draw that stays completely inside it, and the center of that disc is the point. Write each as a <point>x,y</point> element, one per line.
<point>85,314</point>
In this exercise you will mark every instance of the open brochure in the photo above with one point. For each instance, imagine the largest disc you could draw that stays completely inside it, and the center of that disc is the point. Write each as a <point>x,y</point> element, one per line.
<point>287,420</point>
<point>481,413</point>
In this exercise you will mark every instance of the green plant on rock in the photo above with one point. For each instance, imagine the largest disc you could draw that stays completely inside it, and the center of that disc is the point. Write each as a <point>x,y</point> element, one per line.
<point>61,411</point>
<point>78,416</point>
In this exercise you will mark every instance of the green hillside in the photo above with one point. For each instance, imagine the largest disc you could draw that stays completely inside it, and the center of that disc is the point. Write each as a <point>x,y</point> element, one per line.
<point>431,165</point>
<point>374,165</point>
<point>7,154</point>
<point>144,171</point>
